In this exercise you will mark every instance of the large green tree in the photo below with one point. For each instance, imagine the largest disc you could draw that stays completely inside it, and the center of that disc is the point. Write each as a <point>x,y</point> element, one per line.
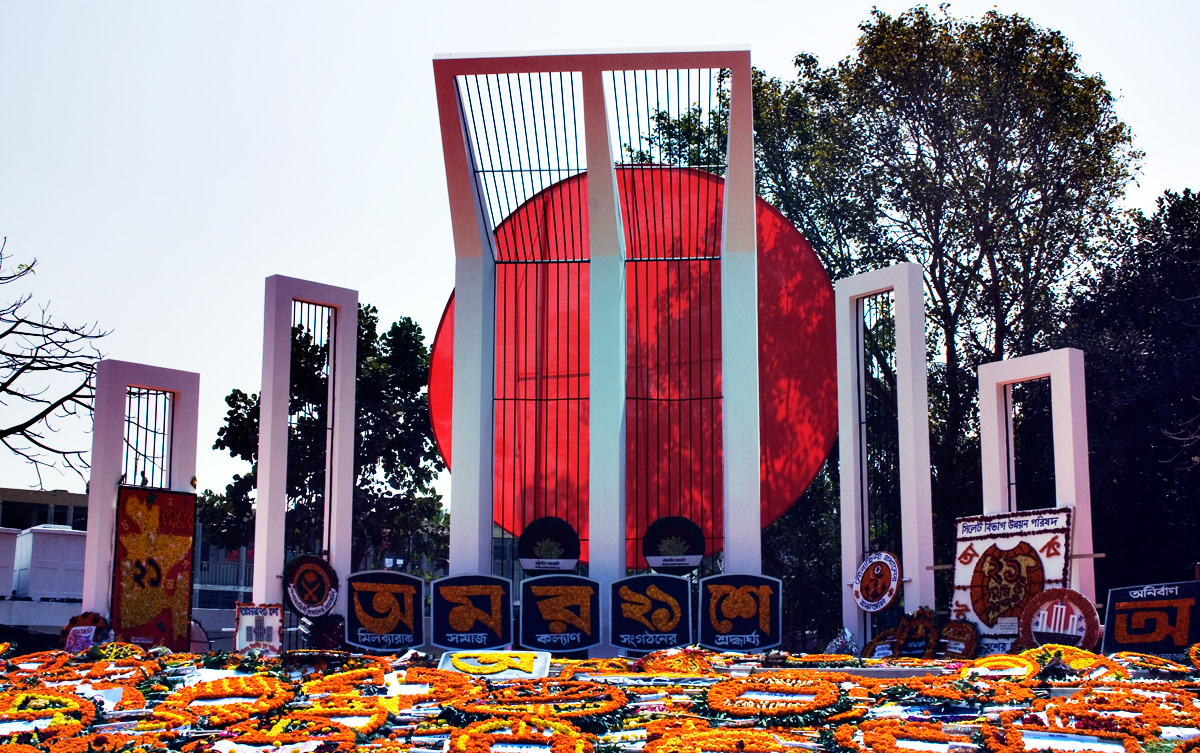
<point>977,148</point>
<point>1138,322</point>
<point>396,511</point>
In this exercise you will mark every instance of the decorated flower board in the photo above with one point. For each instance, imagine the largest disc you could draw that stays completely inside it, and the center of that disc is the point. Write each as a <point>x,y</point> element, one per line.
<point>1001,563</point>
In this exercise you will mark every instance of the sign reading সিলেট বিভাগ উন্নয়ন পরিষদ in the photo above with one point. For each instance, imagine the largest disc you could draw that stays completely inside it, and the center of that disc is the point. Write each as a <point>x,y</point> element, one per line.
<point>1001,562</point>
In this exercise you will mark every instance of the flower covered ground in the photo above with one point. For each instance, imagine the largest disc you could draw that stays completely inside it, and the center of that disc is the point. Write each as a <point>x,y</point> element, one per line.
<point>117,697</point>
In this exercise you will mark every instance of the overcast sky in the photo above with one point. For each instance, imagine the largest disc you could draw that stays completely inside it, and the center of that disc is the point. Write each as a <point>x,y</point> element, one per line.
<point>160,159</point>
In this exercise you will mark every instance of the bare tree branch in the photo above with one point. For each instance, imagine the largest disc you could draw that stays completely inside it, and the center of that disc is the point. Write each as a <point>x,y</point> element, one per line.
<point>47,372</point>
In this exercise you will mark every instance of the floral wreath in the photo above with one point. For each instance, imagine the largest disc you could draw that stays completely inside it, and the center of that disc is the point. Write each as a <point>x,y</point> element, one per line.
<point>480,736</point>
<point>884,735</point>
<point>808,695</point>
<point>296,727</point>
<point>589,705</point>
<point>1091,621</point>
<point>1001,664</point>
<point>1149,663</point>
<point>66,713</point>
<point>723,740</point>
<point>269,693</point>
<point>85,619</point>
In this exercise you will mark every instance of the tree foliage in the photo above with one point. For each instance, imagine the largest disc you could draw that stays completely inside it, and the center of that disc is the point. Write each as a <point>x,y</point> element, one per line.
<point>1138,322</point>
<point>46,376</point>
<point>396,511</point>
<point>976,148</point>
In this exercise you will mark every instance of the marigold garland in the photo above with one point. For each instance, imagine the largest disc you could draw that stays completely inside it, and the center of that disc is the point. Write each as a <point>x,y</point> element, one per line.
<point>352,706</point>
<point>1149,662</point>
<point>883,735</point>
<point>110,743</point>
<point>1009,738</point>
<point>608,666</point>
<point>1001,664</point>
<point>42,662</point>
<point>722,740</point>
<point>822,660</point>
<point>795,695</point>
<point>575,700</point>
<point>682,661</point>
<point>479,739</point>
<point>269,694</point>
<point>291,728</point>
<point>345,682</point>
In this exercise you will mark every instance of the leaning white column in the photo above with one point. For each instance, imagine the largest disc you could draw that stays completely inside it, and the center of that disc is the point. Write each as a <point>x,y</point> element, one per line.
<point>742,480</point>
<point>607,356</point>
<point>472,447</point>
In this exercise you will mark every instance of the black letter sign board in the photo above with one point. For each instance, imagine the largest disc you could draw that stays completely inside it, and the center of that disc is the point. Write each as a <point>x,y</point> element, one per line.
<point>740,612</point>
<point>386,612</point>
<point>560,613</point>
<point>472,612</point>
<point>1155,619</point>
<point>649,612</point>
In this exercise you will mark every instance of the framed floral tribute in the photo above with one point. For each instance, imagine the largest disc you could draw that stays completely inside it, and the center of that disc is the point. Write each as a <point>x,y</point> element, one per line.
<point>152,578</point>
<point>1001,563</point>
<point>259,627</point>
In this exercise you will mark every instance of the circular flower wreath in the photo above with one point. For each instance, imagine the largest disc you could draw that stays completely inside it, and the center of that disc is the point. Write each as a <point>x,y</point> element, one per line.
<point>574,700</point>
<point>723,740</point>
<point>1008,665</point>
<point>55,712</point>
<point>773,694</point>
<point>268,693</point>
<point>343,708</point>
<point>1169,706</point>
<point>110,743</point>
<point>290,728</point>
<point>884,735</point>
<point>1009,736</point>
<point>1149,663</point>
<point>559,737</point>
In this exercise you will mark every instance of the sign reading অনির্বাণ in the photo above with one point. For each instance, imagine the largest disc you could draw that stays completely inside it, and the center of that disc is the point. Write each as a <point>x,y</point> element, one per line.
<point>1158,619</point>
<point>1001,562</point>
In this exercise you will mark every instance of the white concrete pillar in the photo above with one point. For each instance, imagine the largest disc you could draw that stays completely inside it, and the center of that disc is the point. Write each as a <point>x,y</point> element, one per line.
<point>113,380</point>
<point>1068,406</point>
<point>271,496</point>
<point>912,398</point>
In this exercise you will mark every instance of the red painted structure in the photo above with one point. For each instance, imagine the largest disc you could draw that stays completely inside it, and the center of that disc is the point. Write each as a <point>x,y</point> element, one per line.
<point>672,223</point>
